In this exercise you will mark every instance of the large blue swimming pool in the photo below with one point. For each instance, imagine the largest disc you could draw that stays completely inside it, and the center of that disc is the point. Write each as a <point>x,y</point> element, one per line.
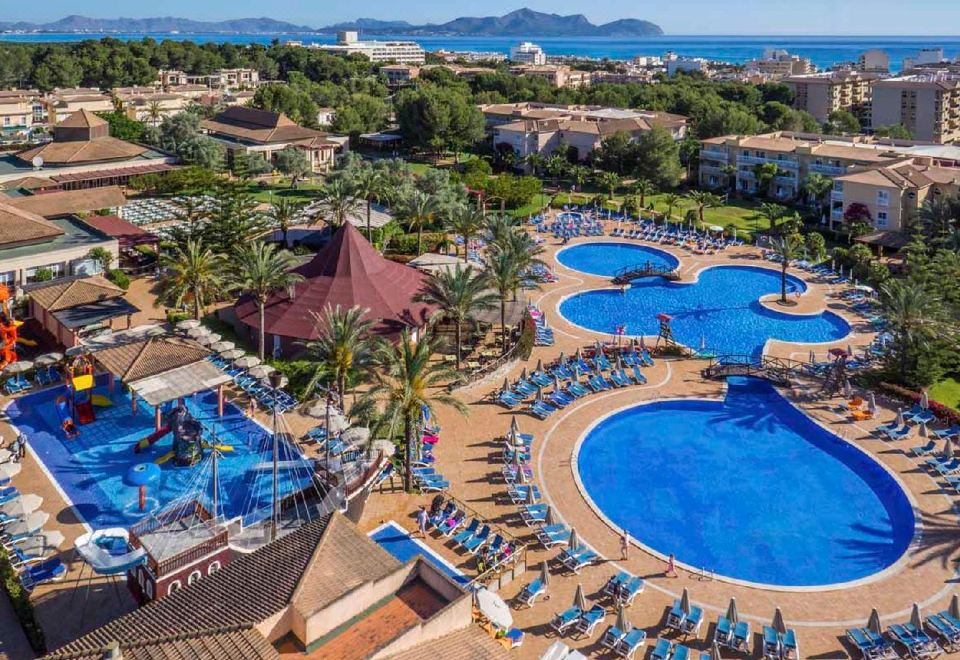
<point>91,468</point>
<point>749,488</point>
<point>721,310</point>
<point>607,258</point>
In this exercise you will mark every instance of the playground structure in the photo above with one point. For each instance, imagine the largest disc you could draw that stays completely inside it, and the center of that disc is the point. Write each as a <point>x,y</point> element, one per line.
<point>108,553</point>
<point>8,329</point>
<point>76,406</point>
<point>187,438</point>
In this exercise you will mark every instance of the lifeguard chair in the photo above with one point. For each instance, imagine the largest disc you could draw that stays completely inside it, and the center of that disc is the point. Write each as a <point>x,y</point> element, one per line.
<point>665,333</point>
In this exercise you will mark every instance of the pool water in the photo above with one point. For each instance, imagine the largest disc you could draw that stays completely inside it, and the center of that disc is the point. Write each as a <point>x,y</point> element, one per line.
<point>749,488</point>
<point>606,259</point>
<point>721,311</point>
<point>398,542</point>
<point>90,470</point>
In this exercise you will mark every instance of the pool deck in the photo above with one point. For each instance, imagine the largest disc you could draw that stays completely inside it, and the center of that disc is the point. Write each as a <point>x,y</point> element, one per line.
<point>468,455</point>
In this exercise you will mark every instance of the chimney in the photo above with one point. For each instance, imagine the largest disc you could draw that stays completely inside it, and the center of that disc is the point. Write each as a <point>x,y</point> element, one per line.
<point>113,652</point>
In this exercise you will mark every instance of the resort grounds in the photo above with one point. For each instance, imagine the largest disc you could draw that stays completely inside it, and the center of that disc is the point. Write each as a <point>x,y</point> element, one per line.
<point>469,455</point>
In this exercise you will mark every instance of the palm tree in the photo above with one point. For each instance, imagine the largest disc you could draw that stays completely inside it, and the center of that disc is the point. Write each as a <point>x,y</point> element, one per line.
<point>938,217</point>
<point>579,175</point>
<point>609,181</point>
<point>260,271</point>
<point>458,294</point>
<point>284,213</point>
<point>703,200</point>
<point>787,248</point>
<point>344,347</point>
<point>407,383</point>
<point>773,213</point>
<point>339,202</point>
<point>504,274</point>
<point>154,112</point>
<point>467,222</point>
<point>499,228</point>
<point>418,210</point>
<point>556,167</point>
<point>915,317</point>
<point>643,188</point>
<point>369,185</point>
<point>535,161</point>
<point>818,188</point>
<point>671,200</point>
<point>193,273</point>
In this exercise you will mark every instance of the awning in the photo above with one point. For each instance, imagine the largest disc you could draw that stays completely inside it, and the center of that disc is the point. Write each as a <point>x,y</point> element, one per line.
<point>184,381</point>
<point>126,233</point>
<point>115,172</point>
<point>886,238</point>
<point>92,313</point>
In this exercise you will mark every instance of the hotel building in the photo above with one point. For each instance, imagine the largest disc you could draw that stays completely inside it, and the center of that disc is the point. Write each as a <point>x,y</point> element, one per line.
<point>927,105</point>
<point>823,93</point>
<point>401,52</point>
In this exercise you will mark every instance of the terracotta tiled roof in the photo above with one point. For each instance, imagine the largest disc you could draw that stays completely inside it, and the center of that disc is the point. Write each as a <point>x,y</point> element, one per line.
<point>18,226</point>
<point>55,296</point>
<point>30,183</point>
<point>82,151</point>
<point>82,118</point>
<point>155,355</point>
<point>237,644</point>
<point>470,643</point>
<point>245,592</point>
<point>345,559</point>
<point>258,126</point>
<point>71,201</point>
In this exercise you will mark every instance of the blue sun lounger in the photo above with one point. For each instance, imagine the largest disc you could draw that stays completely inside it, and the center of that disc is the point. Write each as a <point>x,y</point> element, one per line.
<point>691,624</point>
<point>541,379</point>
<point>949,633</point>
<point>462,536</point>
<point>590,619</point>
<point>611,637</point>
<point>951,432</point>
<point>50,570</point>
<point>630,643</point>
<point>578,389</point>
<point>563,620</point>
<point>525,388</point>
<point>904,432</point>
<point>863,643</point>
<point>741,637</point>
<point>771,643</point>
<point>638,375</point>
<point>509,399</point>
<point>551,537</point>
<point>662,650</point>
<point>475,542</point>
<point>789,646</point>
<point>723,631</point>
<point>925,449</point>
<point>619,379</point>
<point>530,592</point>
<point>680,652</point>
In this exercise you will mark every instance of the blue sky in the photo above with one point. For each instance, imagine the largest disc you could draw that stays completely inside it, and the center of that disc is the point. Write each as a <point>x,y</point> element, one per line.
<point>871,17</point>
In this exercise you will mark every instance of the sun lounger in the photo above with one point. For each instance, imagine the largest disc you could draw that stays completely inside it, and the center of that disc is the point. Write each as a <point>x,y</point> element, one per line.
<point>676,616</point>
<point>638,375</point>
<point>21,529</point>
<point>924,450</point>
<point>904,432</point>
<point>451,524</point>
<point>590,619</point>
<point>691,624</point>
<point>50,570</point>
<point>550,539</point>
<point>530,592</point>
<point>741,637</point>
<point>629,591</point>
<point>950,467</point>
<point>662,650</point>
<point>520,493</point>
<point>771,643</point>
<point>944,630</point>
<point>562,621</point>
<point>680,652</point>
<point>863,643</point>
<point>475,542</point>
<point>789,645</point>
<point>465,534</point>
<point>951,432</point>
<point>578,389</point>
<point>613,584</point>
<point>885,429</point>
<point>723,631</point>
<point>579,559</point>
<point>619,380</point>
<point>611,637</point>
<point>509,399</point>
<point>631,642</point>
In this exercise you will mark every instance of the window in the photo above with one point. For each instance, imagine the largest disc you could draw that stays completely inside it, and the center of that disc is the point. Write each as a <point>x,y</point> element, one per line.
<point>213,568</point>
<point>882,219</point>
<point>6,121</point>
<point>194,576</point>
<point>838,186</point>
<point>149,590</point>
<point>883,198</point>
<point>174,587</point>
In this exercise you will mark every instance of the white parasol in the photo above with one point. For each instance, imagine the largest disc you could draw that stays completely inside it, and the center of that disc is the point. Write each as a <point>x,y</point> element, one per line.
<point>189,324</point>
<point>222,346</point>
<point>48,359</point>
<point>262,370</point>
<point>494,608</point>
<point>247,361</point>
<point>232,354</point>
<point>198,332</point>
<point>18,367</point>
<point>210,339</point>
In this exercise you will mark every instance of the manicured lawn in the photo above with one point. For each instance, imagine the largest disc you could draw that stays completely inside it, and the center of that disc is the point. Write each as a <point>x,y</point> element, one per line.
<point>306,191</point>
<point>947,392</point>
<point>533,207</point>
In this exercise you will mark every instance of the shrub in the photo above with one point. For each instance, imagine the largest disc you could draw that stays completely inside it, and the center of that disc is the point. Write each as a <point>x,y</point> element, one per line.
<point>175,316</point>
<point>119,278</point>
<point>145,250</point>
<point>20,599</point>
<point>943,413</point>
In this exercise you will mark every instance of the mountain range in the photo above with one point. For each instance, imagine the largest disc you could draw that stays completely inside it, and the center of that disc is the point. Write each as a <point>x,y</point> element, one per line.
<point>519,23</point>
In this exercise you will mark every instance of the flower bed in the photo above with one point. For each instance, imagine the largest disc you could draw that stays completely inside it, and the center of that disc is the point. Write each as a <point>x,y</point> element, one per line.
<point>940,411</point>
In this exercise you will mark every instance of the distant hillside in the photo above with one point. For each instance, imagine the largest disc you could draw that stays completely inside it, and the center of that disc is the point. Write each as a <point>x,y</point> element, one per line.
<point>161,24</point>
<point>520,23</point>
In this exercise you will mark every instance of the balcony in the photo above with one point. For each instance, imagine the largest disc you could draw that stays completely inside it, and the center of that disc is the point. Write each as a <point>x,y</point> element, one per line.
<point>714,155</point>
<point>836,195</point>
<point>829,170</point>
<point>785,180</point>
<point>746,174</point>
<point>781,162</point>
<point>712,169</point>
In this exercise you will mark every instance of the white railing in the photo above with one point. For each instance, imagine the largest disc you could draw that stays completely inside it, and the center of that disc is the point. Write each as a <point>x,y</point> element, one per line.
<point>832,170</point>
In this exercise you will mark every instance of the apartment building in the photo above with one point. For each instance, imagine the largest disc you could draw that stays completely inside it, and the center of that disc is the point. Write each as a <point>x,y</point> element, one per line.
<point>928,105</point>
<point>235,79</point>
<point>400,52</point>
<point>152,108</point>
<point>731,161</point>
<point>682,64</point>
<point>398,75</point>
<point>894,193</point>
<point>874,61</point>
<point>558,75</point>
<point>777,63</point>
<point>529,128</point>
<point>16,116</point>
<point>528,53</point>
<point>823,93</point>
<point>63,103</point>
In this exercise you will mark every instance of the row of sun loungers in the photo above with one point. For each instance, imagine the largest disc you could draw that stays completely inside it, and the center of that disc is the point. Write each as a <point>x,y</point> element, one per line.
<point>28,547</point>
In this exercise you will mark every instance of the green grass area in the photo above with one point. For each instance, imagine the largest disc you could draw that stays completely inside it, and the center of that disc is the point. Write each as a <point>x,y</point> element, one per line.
<point>306,191</point>
<point>947,392</point>
<point>539,202</point>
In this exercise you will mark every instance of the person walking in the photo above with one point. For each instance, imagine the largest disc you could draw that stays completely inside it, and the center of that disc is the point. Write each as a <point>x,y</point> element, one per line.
<point>624,545</point>
<point>671,567</point>
<point>422,521</point>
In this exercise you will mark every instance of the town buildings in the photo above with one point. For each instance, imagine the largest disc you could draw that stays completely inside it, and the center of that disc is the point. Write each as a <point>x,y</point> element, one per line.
<point>453,56</point>
<point>398,75</point>
<point>221,79</point>
<point>247,130</point>
<point>62,103</point>
<point>927,105</point>
<point>823,93</point>
<point>777,63</point>
<point>20,111</point>
<point>528,53</point>
<point>874,61</point>
<point>399,52</point>
<point>557,75</point>
<point>682,64</point>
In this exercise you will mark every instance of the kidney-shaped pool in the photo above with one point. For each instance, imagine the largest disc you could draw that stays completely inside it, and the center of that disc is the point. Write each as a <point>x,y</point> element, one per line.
<point>748,488</point>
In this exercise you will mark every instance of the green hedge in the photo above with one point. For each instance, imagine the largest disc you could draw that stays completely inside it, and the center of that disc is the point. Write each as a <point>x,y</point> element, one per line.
<point>119,278</point>
<point>22,606</point>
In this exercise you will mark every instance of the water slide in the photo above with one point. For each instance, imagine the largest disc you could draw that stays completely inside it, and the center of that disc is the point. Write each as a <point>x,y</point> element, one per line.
<point>85,412</point>
<point>151,439</point>
<point>107,551</point>
<point>66,419</point>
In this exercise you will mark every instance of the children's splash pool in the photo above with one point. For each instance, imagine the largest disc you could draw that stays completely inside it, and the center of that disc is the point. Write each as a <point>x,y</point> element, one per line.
<point>90,470</point>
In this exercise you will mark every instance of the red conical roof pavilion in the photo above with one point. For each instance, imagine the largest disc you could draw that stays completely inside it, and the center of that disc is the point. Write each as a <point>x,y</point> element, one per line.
<point>348,272</point>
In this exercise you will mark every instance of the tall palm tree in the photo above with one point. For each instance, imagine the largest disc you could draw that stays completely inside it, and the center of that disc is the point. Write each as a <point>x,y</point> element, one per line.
<point>915,317</point>
<point>193,274</point>
<point>579,175</point>
<point>344,347</point>
<point>773,213</point>
<point>672,200</point>
<point>154,112</point>
<point>610,181</point>
<point>499,228</point>
<point>787,248</point>
<point>818,188</point>
<point>458,294</point>
<point>338,202</point>
<point>938,217</point>
<point>504,274</point>
<point>418,210</point>
<point>643,188</point>
<point>284,213</point>
<point>467,222</point>
<point>406,383</point>
<point>703,200</point>
<point>556,167</point>
<point>260,270</point>
<point>369,185</point>
<point>535,161</point>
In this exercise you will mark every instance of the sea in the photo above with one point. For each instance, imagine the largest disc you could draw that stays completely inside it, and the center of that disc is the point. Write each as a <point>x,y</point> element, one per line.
<point>823,51</point>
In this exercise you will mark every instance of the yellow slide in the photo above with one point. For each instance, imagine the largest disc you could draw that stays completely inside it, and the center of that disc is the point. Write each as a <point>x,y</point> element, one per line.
<point>100,401</point>
<point>26,342</point>
<point>163,459</point>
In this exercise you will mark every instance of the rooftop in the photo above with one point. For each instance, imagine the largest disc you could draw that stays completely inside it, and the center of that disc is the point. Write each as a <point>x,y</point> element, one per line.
<point>71,201</point>
<point>64,294</point>
<point>258,126</point>
<point>72,233</point>
<point>141,359</point>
